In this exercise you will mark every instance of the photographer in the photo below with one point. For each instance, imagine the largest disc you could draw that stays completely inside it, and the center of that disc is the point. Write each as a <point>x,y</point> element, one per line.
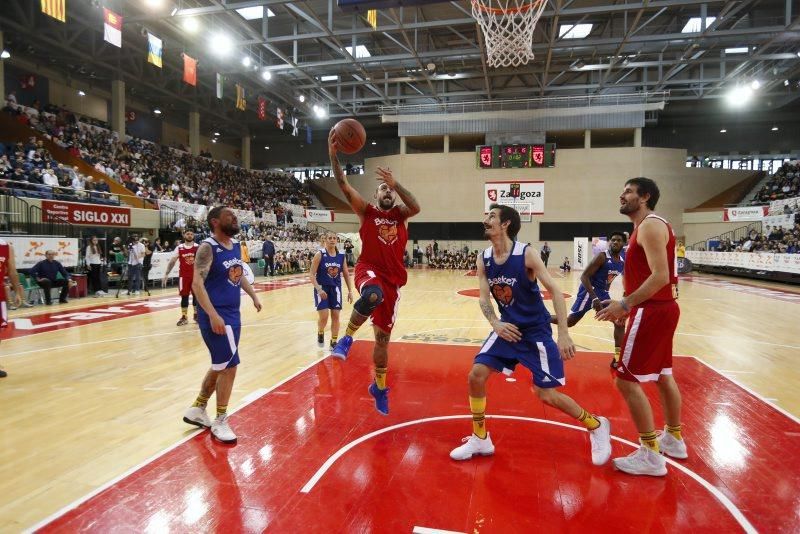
<point>135,262</point>
<point>113,250</point>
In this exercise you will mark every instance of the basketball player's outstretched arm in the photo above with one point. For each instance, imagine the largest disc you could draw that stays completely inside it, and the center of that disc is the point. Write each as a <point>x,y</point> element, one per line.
<point>355,200</point>
<point>507,331</point>
<point>202,265</point>
<point>410,205</point>
<point>532,261</point>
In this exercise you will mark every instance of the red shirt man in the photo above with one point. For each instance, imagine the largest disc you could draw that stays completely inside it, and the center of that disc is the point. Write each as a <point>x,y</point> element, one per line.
<point>184,255</point>
<point>8,268</point>
<point>380,272</point>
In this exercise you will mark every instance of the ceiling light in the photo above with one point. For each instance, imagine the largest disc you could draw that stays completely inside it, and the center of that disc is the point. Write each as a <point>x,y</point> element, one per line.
<point>81,93</point>
<point>320,111</point>
<point>213,140</point>
<point>755,85</point>
<point>374,143</point>
<point>246,61</point>
<point>693,26</point>
<point>739,95</point>
<point>786,83</point>
<point>723,130</point>
<point>216,133</point>
<point>174,10</point>
<point>331,78</point>
<point>431,67</point>
<point>798,54</point>
<point>267,75</point>
<point>361,51</point>
<point>157,111</point>
<point>574,31</point>
<point>255,12</point>
<point>190,24</point>
<point>301,98</point>
<point>266,148</point>
<point>221,44</point>
<point>5,54</point>
<point>737,50</point>
<point>774,128</point>
<point>154,3</point>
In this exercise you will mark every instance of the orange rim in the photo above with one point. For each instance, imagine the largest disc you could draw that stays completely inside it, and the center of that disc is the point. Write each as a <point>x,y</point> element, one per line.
<point>499,11</point>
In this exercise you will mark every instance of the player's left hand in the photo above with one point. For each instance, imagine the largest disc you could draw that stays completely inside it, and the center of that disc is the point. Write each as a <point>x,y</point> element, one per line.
<point>257,304</point>
<point>597,305</point>
<point>349,297</point>
<point>565,346</point>
<point>385,175</point>
<point>612,311</point>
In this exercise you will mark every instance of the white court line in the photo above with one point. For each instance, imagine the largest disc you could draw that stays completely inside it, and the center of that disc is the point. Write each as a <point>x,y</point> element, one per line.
<point>426,530</point>
<point>721,497</point>
<point>248,399</point>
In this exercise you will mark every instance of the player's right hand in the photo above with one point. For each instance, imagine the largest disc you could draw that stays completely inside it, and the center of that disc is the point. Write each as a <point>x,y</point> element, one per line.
<point>566,347</point>
<point>322,294</point>
<point>507,331</point>
<point>333,147</point>
<point>217,325</point>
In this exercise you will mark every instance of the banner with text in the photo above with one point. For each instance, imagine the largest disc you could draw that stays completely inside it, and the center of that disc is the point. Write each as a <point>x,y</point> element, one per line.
<point>581,253</point>
<point>776,206</point>
<point>195,211</point>
<point>322,216</point>
<point>85,214</point>
<point>746,213</point>
<point>525,197</point>
<point>756,261</point>
<point>785,221</point>
<point>245,216</point>
<point>28,251</point>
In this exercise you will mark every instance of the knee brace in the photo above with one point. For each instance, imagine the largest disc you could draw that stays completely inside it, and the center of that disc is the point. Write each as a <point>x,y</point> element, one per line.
<point>371,298</point>
<point>185,301</point>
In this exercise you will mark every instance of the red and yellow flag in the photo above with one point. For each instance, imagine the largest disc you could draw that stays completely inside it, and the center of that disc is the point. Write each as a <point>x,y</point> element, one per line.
<point>55,8</point>
<point>189,70</point>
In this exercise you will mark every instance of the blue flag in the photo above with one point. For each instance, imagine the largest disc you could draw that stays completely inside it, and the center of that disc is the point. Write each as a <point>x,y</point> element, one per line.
<point>308,134</point>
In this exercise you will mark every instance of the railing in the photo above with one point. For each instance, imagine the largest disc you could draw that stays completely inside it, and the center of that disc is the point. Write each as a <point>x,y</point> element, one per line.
<point>54,226</point>
<point>734,235</point>
<point>57,192</point>
<point>13,215</point>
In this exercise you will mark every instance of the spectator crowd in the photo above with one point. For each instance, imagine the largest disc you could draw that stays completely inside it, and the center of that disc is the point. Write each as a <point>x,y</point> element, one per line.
<point>785,183</point>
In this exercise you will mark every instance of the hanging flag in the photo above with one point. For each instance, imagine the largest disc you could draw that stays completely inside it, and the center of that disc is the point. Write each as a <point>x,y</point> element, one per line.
<point>189,70</point>
<point>55,8</point>
<point>372,18</point>
<point>279,119</point>
<point>154,49</point>
<point>219,85</point>
<point>262,108</point>
<point>28,81</point>
<point>241,103</point>
<point>112,27</point>
<point>308,134</point>
<point>295,128</point>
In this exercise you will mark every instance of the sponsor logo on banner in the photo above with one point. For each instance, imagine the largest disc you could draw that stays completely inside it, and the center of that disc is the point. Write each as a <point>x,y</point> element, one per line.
<point>580,249</point>
<point>28,251</point>
<point>320,215</point>
<point>195,211</point>
<point>515,193</point>
<point>785,221</point>
<point>85,214</point>
<point>748,213</point>
<point>755,261</point>
<point>776,206</point>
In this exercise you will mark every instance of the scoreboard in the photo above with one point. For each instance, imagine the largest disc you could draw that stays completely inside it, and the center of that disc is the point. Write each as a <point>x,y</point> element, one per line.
<point>516,156</point>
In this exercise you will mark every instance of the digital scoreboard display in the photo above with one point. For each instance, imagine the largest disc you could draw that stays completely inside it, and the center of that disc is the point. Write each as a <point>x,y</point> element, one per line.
<point>516,156</point>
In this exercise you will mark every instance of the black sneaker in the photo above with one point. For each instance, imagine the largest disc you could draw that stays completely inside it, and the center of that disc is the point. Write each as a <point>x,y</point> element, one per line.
<point>321,340</point>
<point>3,374</point>
<point>333,344</point>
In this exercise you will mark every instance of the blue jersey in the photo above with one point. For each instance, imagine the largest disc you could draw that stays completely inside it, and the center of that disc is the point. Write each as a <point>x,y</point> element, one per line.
<point>223,284</point>
<point>517,296</point>
<point>602,278</point>
<point>329,271</point>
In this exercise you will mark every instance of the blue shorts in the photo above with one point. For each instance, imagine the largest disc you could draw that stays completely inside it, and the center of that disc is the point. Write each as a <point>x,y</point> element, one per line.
<point>334,300</point>
<point>224,349</point>
<point>583,302</point>
<point>542,358</point>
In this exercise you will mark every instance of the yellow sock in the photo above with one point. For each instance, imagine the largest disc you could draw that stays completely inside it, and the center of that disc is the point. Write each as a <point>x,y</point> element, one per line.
<point>380,377</point>
<point>184,312</point>
<point>617,352</point>
<point>321,333</point>
<point>649,440</point>
<point>675,431</point>
<point>222,409</point>
<point>351,329</point>
<point>334,339</point>
<point>589,421</point>
<point>200,402</point>
<point>477,405</point>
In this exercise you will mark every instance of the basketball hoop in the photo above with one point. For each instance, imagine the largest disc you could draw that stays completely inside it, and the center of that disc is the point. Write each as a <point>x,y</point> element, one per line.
<point>508,29</point>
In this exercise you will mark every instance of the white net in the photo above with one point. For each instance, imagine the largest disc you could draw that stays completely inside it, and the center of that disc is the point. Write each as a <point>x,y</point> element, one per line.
<point>508,29</point>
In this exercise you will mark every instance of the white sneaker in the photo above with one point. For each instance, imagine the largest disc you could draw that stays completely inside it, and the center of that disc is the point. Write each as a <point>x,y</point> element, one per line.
<point>197,416</point>
<point>642,462</point>
<point>473,445</point>
<point>600,438</point>
<point>221,430</point>
<point>671,446</point>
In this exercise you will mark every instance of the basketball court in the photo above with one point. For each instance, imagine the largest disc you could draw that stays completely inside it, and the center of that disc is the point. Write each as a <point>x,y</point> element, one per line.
<point>314,455</point>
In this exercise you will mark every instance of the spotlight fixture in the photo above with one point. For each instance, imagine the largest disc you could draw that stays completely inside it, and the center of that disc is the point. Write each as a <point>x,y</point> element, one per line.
<point>246,61</point>
<point>5,54</point>
<point>216,134</point>
<point>266,148</point>
<point>81,93</point>
<point>723,131</point>
<point>301,98</point>
<point>774,128</point>
<point>374,143</point>
<point>190,24</point>
<point>213,140</point>
<point>221,44</point>
<point>267,75</point>
<point>157,111</point>
<point>755,85</point>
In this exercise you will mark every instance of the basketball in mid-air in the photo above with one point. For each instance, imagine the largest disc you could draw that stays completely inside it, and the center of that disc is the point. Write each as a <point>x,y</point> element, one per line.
<point>350,136</point>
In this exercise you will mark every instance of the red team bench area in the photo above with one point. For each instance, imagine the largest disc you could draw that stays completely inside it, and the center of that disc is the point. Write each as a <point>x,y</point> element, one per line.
<point>314,456</point>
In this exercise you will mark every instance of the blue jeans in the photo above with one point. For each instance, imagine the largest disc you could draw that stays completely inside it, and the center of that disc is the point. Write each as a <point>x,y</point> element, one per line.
<point>134,277</point>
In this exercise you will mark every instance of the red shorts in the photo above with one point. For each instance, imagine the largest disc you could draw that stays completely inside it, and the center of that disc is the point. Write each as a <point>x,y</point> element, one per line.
<point>185,285</point>
<point>647,345</point>
<point>385,314</point>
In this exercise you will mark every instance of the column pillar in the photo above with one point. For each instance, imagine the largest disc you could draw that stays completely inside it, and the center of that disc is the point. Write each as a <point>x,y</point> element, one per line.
<point>637,138</point>
<point>246,151</point>
<point>2,74</point>
<point>446,144</point>
<point>403,145</point>
<point>118,107</point>
<point>194,132</point>
<point>587,139</point>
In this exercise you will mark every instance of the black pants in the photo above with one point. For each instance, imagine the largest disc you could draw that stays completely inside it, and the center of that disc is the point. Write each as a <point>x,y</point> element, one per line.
<point>95,279</point>
<point>270,264</point>
<point>46,284</point>
<point>145,275</point>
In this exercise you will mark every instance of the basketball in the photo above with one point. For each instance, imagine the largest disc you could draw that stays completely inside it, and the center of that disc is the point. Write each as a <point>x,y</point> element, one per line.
<point>350,136</point>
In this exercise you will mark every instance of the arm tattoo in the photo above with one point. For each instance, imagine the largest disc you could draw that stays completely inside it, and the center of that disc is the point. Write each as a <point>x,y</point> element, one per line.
<point>488,311</point>
<point>203,259</point>
<point>407,198</point>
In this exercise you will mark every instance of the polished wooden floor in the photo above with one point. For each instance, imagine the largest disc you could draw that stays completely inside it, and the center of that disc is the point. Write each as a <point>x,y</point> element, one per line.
<point>84,404</point>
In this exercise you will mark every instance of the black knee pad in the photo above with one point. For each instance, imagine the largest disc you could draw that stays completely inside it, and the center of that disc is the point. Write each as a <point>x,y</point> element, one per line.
<point>185,301</point>
<point>371,298</point>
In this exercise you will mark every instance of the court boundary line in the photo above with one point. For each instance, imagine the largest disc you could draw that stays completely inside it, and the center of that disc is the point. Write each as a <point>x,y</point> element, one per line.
<point>246,401</point>
<point>721,497</point>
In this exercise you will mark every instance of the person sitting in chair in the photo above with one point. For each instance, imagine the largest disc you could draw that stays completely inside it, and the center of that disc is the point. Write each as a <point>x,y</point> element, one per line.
<point>566,267</point>
<point>46,275</point>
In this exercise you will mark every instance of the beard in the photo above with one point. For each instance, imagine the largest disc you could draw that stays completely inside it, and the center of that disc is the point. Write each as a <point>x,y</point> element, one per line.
<point>229,230</point>
<point>386,203</point>
<point>626,208</point>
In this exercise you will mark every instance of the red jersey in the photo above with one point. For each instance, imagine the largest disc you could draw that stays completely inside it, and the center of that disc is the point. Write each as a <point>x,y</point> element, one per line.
<point>383,240</point>
<point>637,270</point>
<point>186,259</point>
<point>4,253</point>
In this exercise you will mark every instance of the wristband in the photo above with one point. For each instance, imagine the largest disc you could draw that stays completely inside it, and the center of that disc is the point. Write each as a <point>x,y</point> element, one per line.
<point>624,305</point>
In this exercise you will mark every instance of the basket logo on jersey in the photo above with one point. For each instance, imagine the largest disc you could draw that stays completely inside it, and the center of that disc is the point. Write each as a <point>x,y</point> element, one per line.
<point>333,270</point>
<point>387,230</point>
<point>503,294</point>
<point>235,271</point>
<point>611,276</point>
<point>188,259</point>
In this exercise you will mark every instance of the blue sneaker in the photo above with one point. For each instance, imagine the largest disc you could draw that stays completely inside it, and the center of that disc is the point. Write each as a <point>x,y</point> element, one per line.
<point>342,348</point>
<point>381,397</point>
